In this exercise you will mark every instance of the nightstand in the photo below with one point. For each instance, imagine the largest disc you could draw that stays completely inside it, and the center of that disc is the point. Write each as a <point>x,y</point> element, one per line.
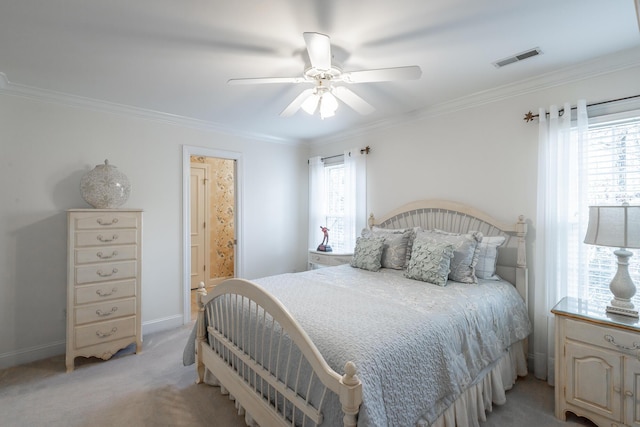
<point>597,364</point>
<point>327,259</point>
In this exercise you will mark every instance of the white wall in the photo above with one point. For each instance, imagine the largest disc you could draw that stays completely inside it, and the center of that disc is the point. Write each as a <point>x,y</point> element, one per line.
<point>45,148</point>
<point>484,156</point>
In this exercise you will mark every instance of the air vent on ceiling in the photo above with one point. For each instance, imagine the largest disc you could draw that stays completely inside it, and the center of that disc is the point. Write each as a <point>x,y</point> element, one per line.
<point>518,57</point>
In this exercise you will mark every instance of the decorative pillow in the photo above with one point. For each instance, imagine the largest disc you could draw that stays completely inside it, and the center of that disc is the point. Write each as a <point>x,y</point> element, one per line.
<point>368,253</point>
<point>430,262</point>
<point>394,253</point>
<point>488,257</point>
<point>465,256</point>
<point>412,236</point>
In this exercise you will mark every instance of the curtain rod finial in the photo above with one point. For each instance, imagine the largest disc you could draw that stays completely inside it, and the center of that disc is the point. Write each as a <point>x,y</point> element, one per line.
<point>529,116</point>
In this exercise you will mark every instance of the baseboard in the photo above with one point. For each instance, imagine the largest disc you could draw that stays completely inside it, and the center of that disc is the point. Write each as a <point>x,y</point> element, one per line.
<point>162,324</point>
<point>31,354</point>
<point>44,351</point>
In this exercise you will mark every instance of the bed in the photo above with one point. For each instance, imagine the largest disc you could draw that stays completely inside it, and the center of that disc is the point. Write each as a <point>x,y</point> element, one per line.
<point>355,345</point>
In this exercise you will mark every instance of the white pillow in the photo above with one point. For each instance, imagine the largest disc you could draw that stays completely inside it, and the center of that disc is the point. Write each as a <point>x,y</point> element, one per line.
<point>488,257</point>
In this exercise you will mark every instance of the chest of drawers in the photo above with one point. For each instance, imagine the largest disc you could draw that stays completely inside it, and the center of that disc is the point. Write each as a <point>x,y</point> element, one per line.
<point>103,282</point>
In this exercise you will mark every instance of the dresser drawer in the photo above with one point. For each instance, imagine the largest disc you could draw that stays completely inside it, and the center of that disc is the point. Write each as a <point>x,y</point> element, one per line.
<point>105,271</point>
<point>106,220</point>
<point>117,236</point>
<point>610,338</point>
<point>329,259</point>
<point>105,311</point>
<point>107,253</point>
<point>105,291</point>
<point>101,332</point>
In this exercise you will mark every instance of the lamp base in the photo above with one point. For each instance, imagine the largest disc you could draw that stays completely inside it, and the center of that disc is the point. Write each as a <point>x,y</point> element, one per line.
<point>622,311</point>
<point>622,287</point>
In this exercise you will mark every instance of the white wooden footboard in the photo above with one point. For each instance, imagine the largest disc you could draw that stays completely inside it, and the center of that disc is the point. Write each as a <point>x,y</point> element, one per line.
<point>261,355</point>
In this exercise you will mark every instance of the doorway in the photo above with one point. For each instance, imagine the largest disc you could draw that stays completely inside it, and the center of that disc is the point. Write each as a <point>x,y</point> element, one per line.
<point>211,216</point>
<point>212,220</point>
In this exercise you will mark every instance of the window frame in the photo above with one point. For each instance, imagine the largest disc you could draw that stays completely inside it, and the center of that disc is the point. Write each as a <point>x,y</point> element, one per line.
<point>597,265</point>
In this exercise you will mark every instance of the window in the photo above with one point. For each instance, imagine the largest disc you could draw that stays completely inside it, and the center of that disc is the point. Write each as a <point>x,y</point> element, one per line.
<point>337,199</point>
<point>610,163</point>
<point>335,207</point>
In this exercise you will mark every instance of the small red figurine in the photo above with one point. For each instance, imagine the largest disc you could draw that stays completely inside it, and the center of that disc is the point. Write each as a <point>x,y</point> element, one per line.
<point>324,246</point>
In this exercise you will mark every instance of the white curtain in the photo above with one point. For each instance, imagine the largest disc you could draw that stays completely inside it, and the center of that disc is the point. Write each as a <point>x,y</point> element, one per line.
<point>316,201</point>
<point>355,195</point>
<point>561,200</point>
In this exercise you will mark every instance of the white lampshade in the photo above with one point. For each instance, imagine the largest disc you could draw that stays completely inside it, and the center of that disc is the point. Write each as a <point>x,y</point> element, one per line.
<point>328,105</point>
<point>617,226</point>
<point>311,104</point>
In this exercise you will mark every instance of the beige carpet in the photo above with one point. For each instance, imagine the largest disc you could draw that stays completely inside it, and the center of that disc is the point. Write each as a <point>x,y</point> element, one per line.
<point>154,389</point>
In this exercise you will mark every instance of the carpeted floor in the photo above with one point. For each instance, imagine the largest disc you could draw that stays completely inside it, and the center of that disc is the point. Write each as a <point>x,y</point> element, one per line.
<point>154,389</point>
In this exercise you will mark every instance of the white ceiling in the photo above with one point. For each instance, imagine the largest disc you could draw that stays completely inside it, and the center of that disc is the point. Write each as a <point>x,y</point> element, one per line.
<point>175,57</point>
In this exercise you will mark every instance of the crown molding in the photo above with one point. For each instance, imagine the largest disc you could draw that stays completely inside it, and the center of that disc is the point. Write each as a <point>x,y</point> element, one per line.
<point>45,95</point>
<point>607,64</point>
<point>600,66</point>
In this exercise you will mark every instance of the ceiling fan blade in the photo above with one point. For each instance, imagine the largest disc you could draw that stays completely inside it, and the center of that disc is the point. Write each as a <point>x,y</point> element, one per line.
<point>383,74</point>
<point>263,80</point>
<point>352,100</point>
<point>296,103</point>
<point>319,49</point>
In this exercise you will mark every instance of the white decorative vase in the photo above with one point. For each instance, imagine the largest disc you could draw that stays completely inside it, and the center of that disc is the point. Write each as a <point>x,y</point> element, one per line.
<point>105,187</point>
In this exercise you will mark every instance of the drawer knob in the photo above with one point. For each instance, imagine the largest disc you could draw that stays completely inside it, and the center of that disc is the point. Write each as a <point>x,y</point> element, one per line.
<point>102,293</point>
<point>106,334</point>
<point>628,393</point>
<point>106,239</point>
<point>608,338</point>
<point>106,313</point>
<point>617,389</point>
<point>100,221</point>
<point>103,256</point>
<point>103,274</point>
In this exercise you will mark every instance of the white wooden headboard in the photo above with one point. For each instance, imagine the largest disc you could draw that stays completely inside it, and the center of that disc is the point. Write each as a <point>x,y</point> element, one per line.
<point>459,218</point>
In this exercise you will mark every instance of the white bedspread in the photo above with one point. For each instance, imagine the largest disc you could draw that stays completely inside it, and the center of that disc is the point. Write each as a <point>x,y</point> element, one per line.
<point>417,346</point>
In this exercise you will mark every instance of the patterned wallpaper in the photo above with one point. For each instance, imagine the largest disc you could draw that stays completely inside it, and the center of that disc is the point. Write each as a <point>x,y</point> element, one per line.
<point>222,217</point>
<point>221,208</point>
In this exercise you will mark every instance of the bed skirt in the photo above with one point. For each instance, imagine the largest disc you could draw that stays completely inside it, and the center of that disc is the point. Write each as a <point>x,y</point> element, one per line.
<point>472,406</point>
<point>468,409</point>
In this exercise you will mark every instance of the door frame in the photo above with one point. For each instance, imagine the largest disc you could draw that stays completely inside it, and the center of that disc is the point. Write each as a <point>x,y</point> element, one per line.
<point>187,152</point>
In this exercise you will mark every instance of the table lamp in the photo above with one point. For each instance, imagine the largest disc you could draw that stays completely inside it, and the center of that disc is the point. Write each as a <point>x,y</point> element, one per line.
<point>617,226</point>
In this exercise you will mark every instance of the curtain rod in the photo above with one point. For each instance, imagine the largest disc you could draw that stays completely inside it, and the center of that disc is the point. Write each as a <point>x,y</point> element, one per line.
<point>528,117</point>
<point>330,157</point>
<point>365,150</point>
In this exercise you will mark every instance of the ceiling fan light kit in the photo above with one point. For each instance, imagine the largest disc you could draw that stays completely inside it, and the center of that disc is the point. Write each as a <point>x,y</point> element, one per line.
<point>321,100</point>
<point>324,96</point>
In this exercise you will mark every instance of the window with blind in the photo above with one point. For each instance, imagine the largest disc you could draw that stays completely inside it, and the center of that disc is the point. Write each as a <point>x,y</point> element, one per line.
<point>610,167</point>
<point>335,207</point>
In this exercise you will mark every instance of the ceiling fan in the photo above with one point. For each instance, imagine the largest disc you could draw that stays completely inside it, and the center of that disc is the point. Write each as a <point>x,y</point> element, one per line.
<point>324,75</point>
